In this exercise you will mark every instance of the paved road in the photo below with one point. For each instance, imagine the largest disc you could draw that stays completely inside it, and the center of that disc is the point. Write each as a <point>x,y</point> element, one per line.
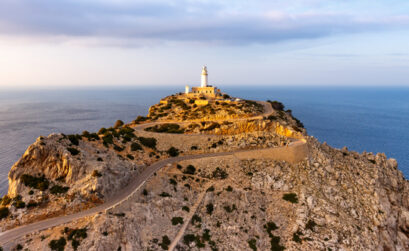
<point>118,198</point>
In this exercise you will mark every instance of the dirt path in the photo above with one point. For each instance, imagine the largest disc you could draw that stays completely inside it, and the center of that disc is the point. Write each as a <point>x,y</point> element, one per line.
<point>189,217</point>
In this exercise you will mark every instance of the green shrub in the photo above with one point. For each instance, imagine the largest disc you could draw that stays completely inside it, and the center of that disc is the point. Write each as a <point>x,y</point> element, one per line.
<point>118,124</point>
<point>57,189</point>
<point>190,170</point>
<point>275,243</point>
<point>296,237</point>
<point>185,208</point>
<point>177,220</point>
<point>225,96</point>
<point>209,208</point>
<point>310,225</point>
<point>291,197</point>
<point>210,189</point>
<point>103,130</point>
<point>31,192</point>
<point>173,152</point>
<point>118,148</point>
<point>165,194</point>
<point>188,238</point>
<point>145,192</point>
<point>274,240</point>
<point>252,244</point>
<point>271,117</point>
<point>73,151</point>
<point>19,247</point>
<point>229,189</point>
<point>58,245</point>
<point>99,159</point>
<point>230,209</point>
<point>148,142</point>
<point>19,204</point>
<point>96,173</point>
<point>107,139</point>
<point>166,128</point>
<point>32,204</point>
<point>5,200</point>
<point>220,173</point>
<point>140,119</point>
<point>90,136</point>
<point>165,242</point>
<point>40,183</point>
<point>74,139</point>
<point>4,212</point>
<point>196,218</point>
<point>130,157</point>
<point>173,182</point>
<point>135,146</point>
<point>80,233</point>
<point>270,226</point>
<point>75,244</point>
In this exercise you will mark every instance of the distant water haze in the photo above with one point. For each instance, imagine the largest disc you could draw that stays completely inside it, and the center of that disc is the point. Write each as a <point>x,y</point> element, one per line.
<point>371,119</point>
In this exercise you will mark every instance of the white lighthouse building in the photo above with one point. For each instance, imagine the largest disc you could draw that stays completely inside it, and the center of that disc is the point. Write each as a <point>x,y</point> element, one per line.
<point>205,89</point>
<point>204,77</point>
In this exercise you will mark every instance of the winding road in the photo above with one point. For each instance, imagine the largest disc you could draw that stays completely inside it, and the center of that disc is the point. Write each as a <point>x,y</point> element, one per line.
<point>121,195</point>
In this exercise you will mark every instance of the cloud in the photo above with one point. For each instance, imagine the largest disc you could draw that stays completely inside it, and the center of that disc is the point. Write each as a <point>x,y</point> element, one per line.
<point>127,23</point>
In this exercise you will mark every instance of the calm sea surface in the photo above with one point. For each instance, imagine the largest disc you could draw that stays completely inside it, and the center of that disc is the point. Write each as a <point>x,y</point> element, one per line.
<point>371,119</point>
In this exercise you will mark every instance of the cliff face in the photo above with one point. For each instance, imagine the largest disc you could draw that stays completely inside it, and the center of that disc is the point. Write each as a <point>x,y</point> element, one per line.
<point>55,177</point>
<point>334,200</point>
<point>324,199</point>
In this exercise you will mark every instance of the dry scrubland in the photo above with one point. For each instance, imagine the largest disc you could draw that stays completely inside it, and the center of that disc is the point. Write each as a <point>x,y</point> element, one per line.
<point>329,199</point>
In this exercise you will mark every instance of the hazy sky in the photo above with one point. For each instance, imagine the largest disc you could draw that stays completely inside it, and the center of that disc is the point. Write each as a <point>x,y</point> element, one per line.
<point>166,42</point>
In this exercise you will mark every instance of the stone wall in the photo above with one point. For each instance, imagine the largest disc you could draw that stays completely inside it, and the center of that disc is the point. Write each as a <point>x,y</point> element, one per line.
<point>292,153</point>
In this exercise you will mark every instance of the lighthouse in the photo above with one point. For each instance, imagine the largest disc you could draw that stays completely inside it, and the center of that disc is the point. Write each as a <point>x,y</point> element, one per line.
<point>205,90</point>
<point>204,77</point>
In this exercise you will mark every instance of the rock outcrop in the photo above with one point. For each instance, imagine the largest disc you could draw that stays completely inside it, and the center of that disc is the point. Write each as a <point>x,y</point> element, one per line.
<point>329,199</point>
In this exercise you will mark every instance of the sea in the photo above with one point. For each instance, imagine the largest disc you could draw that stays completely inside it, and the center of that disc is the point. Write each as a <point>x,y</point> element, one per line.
<point>372,119</point>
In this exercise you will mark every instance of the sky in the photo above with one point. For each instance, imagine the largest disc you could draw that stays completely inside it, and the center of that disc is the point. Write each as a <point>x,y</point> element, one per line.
<point>90,43</point>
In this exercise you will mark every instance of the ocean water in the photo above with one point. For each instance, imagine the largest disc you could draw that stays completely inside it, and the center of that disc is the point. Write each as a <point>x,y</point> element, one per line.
<point>363,119</point>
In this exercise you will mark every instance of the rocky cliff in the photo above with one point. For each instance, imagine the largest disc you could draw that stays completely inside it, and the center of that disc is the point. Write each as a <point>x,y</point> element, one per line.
<point>330,199</point>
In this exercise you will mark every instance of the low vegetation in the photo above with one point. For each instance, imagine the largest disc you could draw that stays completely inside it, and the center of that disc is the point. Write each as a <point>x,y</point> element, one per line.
<point>177,220</point>
<point>291,197</point>
<point>190,169</point>
<point>4,212</point>
<point>252,244</point>
<point>165,242</point>
<point>40,183</point>
<point>135,146</point>
<point>73,151</point>
<point>173,152</point>
<point>57,189</point>
<point>58,245</point>
<point>219,173</point>
<point>274,240</point>
<point>148,142</point>
<point>166,128</point>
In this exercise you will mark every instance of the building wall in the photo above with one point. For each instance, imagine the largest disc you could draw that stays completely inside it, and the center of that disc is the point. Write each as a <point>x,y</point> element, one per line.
<point>201,102</point>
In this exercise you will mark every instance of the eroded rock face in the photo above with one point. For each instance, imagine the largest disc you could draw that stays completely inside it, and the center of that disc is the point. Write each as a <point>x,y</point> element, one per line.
<point>70,181</point>
<point>335,199</point>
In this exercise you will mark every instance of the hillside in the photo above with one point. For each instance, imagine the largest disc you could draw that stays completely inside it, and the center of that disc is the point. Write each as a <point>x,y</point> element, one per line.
<point>246,177</point>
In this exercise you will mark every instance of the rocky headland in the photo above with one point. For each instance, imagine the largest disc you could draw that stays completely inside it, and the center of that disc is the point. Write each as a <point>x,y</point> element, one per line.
<point>199,174</point>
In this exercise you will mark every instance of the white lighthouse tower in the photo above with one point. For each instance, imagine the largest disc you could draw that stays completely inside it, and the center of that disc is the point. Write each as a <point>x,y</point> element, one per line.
<point>204,77</point>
